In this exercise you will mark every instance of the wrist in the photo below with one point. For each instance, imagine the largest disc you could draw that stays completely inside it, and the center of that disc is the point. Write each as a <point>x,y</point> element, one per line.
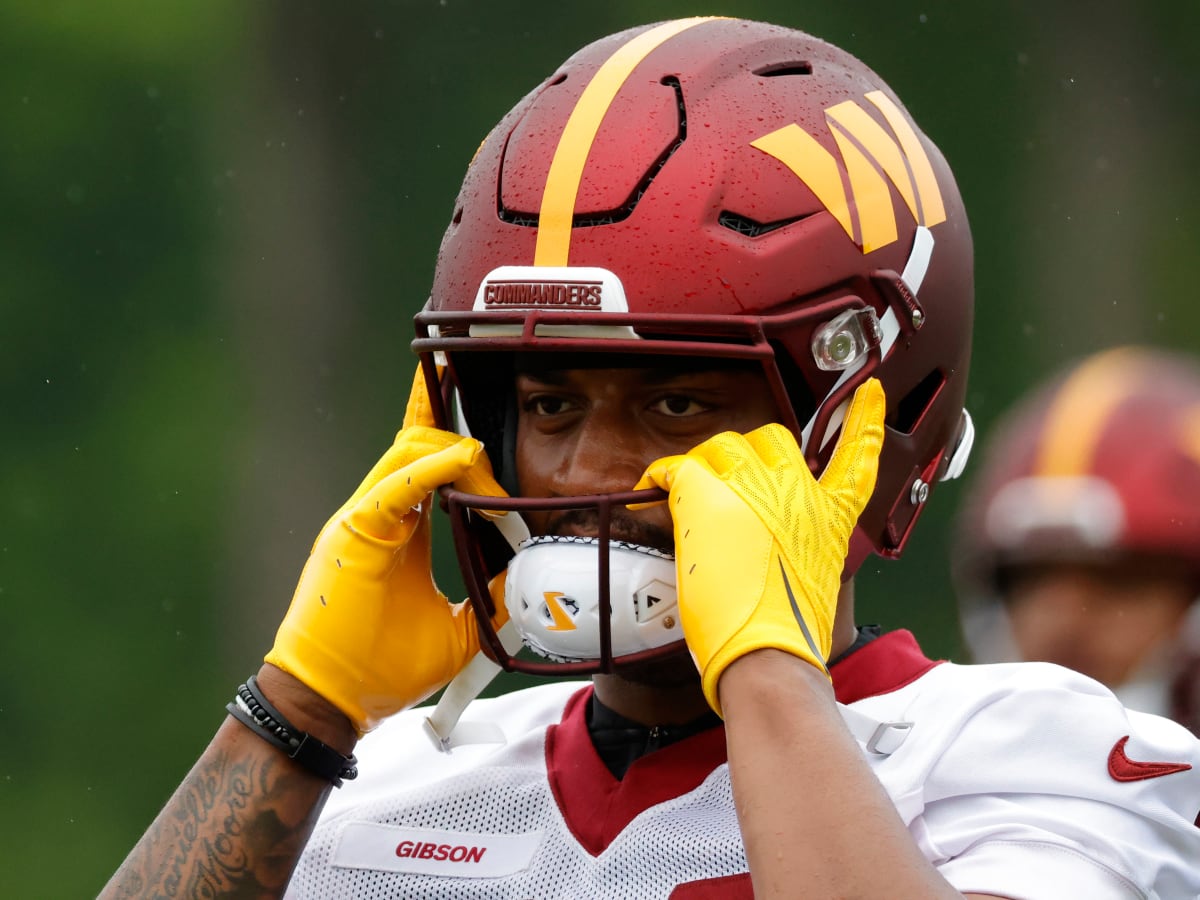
<point>306,709</point>
<point>770,677</point>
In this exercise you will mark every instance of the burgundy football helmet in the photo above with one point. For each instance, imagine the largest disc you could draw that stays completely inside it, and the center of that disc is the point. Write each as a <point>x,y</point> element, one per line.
<point>1099,463</point>
<point>715,188</point>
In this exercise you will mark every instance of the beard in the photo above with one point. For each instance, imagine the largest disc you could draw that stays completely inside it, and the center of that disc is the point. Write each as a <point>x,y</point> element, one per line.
<point>623,526</point>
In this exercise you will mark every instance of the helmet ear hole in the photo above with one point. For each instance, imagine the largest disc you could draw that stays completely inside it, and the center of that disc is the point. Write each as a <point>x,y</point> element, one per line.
<point>913,405</point>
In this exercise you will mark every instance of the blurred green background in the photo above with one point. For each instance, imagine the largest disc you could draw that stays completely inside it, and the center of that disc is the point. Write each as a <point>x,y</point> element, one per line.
<point>217,219</point>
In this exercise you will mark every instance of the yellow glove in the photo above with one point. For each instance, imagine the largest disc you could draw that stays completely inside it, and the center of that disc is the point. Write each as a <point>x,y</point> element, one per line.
<point>759,543</point>
<point>367,628</point>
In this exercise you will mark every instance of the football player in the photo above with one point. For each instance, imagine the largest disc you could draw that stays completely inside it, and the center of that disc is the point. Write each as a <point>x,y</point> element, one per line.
<point>696,346</point>
<point>1080,540</point>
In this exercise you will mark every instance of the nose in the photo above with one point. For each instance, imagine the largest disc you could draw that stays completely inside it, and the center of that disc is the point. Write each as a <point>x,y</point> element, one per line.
<point>604,454</point>
<point>1052,618</point>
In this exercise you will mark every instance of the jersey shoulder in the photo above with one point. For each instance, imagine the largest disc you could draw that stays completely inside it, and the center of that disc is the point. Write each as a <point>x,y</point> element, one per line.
<point>1028,778</point>
<point>401,754</point>
<point>1015,717</point>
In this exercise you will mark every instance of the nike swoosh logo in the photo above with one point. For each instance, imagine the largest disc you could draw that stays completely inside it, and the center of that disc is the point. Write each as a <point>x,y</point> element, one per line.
<point>1122,768</point>
<point>812,645</point>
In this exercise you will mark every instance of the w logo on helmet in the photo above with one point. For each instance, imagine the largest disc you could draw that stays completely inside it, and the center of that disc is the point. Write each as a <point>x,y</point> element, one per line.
<point>867,151</point>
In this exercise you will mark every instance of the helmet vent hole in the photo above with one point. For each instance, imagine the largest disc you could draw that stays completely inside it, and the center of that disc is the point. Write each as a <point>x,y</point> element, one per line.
<point>612,216</point>
<point>775,70</point>
<point>557,79</point>
<point>912,407</point>
<point>749,227</point>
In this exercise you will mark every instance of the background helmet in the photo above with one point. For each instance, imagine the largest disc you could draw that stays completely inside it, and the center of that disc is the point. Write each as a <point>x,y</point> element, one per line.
<point>1099,463</point>
<point>717,188</point>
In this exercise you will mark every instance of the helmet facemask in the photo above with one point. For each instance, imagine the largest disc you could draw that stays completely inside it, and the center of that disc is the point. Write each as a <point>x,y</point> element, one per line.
<point>621,606</point>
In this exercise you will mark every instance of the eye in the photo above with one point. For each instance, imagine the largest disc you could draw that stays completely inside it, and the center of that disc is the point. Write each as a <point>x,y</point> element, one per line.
<point>678,405</point>
<point>546,405</point>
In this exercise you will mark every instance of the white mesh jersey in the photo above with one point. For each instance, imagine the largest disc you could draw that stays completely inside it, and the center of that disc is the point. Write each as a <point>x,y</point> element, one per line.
<point>1023,780</point>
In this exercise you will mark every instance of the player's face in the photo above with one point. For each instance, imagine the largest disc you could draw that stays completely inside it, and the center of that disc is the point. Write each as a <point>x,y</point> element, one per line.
<point>593,430</point>
<point>1104,621</point>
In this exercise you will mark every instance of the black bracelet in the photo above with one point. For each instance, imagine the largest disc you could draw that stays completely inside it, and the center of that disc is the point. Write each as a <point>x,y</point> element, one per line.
<point>254,711</point>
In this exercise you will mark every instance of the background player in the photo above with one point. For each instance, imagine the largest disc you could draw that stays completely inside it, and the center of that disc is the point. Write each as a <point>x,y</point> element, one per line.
<point>1080,539</point>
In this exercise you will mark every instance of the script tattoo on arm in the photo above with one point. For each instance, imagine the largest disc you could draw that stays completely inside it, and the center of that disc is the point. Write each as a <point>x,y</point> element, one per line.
<point>235,827</point>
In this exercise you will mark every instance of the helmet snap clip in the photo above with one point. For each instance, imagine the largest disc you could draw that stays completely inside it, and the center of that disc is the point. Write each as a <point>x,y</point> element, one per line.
<point>919,493</point>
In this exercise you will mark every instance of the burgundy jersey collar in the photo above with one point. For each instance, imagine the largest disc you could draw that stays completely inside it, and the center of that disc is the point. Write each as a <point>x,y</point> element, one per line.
<point>880,666</point>
<point>597,807</point>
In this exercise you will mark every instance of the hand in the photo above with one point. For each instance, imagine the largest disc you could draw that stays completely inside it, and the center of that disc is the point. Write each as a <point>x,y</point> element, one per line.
<point>760,543</point>
<point>367,628</point>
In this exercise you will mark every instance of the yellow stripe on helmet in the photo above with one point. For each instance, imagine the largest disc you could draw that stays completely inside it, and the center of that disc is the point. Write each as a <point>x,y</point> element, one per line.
<point>566,168</point>
<point>1084,405</point>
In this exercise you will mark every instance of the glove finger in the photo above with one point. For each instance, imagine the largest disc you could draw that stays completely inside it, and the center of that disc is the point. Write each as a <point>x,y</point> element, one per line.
<point>390,501</point>
<point>724,452</point>
<point>855,462</point>
<point>775,446</point>
<point>496,589</point>
<point>410,445</point>
<point>478,479</point>
<point>419,410</point>
<point>463,618</point>
<point>659,474</point>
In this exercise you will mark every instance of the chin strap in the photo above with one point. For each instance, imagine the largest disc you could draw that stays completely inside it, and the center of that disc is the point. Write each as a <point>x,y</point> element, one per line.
<point>443,725</point>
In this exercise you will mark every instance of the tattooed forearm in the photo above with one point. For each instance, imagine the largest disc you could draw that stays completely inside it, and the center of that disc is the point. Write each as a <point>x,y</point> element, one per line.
<point>234,828</point>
